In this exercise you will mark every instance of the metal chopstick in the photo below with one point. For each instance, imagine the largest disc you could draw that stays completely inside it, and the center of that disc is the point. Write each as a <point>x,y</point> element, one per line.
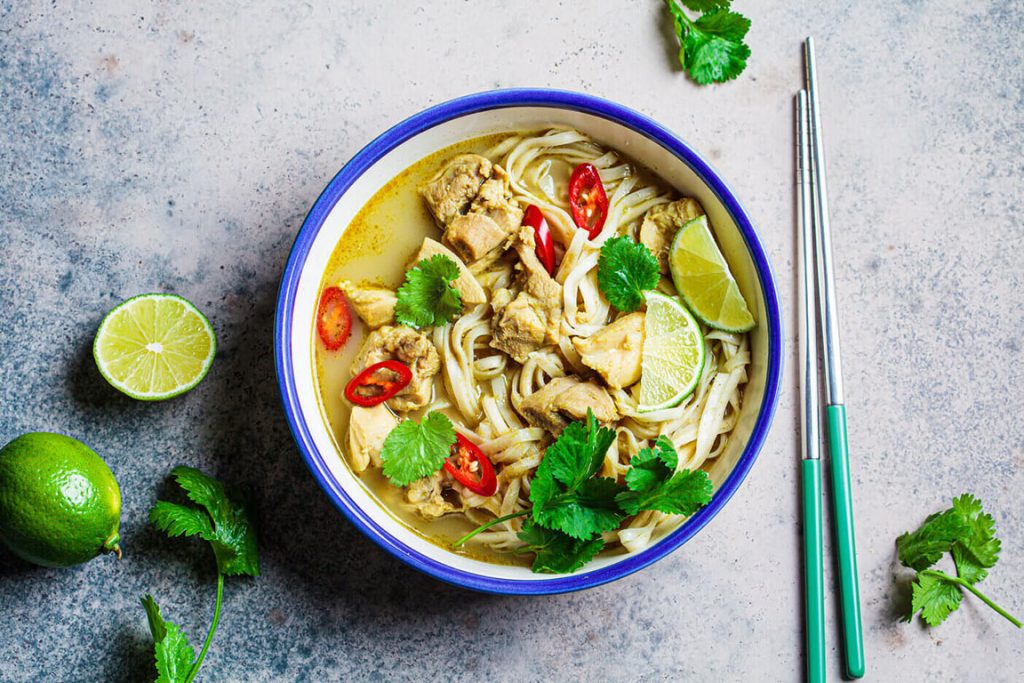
<point>810,470</point>
<point>835,410</point>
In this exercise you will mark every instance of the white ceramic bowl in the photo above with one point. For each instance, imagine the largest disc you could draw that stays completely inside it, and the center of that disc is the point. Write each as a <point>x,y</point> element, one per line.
<point>440,126</point>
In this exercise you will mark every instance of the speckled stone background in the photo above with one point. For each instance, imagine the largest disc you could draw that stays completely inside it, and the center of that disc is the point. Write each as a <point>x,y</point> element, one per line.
<point>177,147</point>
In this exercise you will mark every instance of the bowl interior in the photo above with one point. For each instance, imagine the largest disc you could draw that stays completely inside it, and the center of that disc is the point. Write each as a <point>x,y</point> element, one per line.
<point>376,166</point>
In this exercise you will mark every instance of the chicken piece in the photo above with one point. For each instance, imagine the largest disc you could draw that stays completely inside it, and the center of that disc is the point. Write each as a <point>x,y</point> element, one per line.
<point>565,399</point>
<point>616,351</point>
<point>374,305</point>
<point>476,237</point>
<point>367,429</point>
<point>495,201</point>
<point>412,348</point>
<point>453,189</point>
<point>528,316</point>
<point>471,291</point>
<point>661,224</point>
<point>433,496</point>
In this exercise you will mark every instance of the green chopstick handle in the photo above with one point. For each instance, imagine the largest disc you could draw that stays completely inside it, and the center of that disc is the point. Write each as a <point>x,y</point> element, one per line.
<point>814,581</point>
<point>842,502</point>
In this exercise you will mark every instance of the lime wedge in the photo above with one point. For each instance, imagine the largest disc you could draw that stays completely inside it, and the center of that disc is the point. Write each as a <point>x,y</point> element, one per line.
<point>154,346</point>
<point>673,355</point>
<point>702,277</point>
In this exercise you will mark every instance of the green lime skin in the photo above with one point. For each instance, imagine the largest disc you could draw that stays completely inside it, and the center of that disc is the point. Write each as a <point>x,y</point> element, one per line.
<point>59,502</point>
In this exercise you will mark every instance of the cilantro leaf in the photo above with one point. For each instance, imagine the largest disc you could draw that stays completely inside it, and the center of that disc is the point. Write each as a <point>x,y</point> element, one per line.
<point>977,552</point>
<point>173,653</point>
<point>934,597</point>
<point>711,48</point>
<point>654,483</point>
<point>683,494</point>
<point>714,48</point>
<point>624,270</point>
<point>565,495</point>
<point>924,547</point>
<point>180,520</point>
<point>652,466</point>
<point>427,297</point>
<point>968,534</point>
<point>555,552</point>
<point>578,453</point>
<point>227,528</point>
<point>589,509</point>
<point>415,450</point>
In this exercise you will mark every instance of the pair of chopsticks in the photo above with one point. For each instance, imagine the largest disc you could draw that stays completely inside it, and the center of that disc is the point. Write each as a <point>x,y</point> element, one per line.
<point>816,258</point>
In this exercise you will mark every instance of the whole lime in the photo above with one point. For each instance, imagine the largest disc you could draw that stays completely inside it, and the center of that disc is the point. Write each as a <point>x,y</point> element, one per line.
<point>59,502</point>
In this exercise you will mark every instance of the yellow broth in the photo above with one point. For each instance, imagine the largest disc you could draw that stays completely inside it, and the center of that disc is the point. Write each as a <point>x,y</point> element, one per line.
<point>375,249</point>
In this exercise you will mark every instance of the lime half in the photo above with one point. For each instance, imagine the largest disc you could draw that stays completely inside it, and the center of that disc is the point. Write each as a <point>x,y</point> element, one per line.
<point>702,277</point>
<point>154,346</point>
<point>673,355</point>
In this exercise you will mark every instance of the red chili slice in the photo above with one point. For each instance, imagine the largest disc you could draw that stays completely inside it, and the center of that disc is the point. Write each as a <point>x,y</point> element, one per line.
<point>471,468</point>
<point>542,235</point>
<point>333,319</point>
<point>378,382</point>
<point>587,199</point>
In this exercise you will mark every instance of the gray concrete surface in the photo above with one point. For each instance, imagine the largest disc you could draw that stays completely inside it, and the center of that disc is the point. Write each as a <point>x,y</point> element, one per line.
<point>177,146</point>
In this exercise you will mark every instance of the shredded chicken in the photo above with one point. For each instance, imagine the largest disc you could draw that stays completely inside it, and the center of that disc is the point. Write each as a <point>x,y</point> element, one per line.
<point>495,201</point>
<point>472,201</point>
<point>564,400</point>
<point>412,348</point>
<point>367,429</point>
<point>663,222</point>
<point>471,291</point>
<point>526,317</point>
<point>375,306</point>
<point>616,351</point>
<point>433,496</point>
<point>453,189</point>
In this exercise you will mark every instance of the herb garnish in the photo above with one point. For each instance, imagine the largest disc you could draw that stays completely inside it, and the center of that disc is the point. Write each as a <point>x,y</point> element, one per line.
<point>572,506</point>
<point>654,483</point>
<point>964,531</point>
<point>566,495</point>
<point>427,297</point>
<point>624,270</point>
<point>223,522</point>
<point>556,553</point>
<point>711,48</point>
<point>414,450</point>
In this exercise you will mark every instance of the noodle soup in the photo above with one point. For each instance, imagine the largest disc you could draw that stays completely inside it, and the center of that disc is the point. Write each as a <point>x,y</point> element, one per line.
<point>533,348</point>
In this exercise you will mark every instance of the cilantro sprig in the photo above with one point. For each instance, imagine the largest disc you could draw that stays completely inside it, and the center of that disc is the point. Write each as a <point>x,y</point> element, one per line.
<point>969,535</point>
<point>566,494</point>
<point>625,269</point>
<point>414,450</point>
<point>654,483</point>
<point>221,520</point>
<point>573,506</point>
<point>427,297</point>
<point>711,47</point>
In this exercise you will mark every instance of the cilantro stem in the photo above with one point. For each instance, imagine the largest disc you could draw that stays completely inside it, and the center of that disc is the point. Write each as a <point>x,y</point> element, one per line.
<point>981,596</point>
<point>488,525</point>
<point>213,627</point>
<point>677,11</point>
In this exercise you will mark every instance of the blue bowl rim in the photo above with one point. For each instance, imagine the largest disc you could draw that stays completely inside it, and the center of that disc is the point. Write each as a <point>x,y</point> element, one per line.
<point>369,155</point>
